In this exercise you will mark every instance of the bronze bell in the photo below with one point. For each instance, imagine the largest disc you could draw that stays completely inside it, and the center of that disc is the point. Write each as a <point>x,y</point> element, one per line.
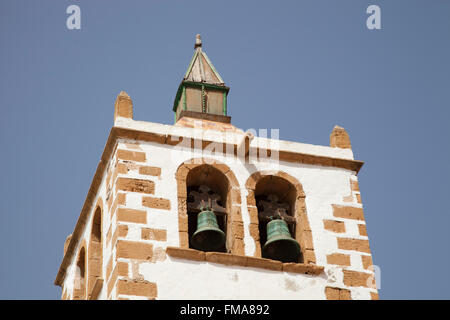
<point>280,245</point>
<point>208,236</point>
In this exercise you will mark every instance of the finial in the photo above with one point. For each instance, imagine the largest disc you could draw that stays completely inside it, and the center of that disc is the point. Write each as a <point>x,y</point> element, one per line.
<point>123,94</point>
<point>123,107</point>
<point>198,41</point>
<point>339,138</point>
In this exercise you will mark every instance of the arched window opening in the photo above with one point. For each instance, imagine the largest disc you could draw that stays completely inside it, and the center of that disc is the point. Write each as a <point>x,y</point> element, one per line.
<point>207,190</point>
<point>275,200</point>
<point>95,250</point>
<point>80,277</point>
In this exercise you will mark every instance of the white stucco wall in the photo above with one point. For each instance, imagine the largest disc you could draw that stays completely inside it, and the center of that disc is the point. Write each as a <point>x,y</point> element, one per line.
<point>177,278</point>
<point>184,279</point>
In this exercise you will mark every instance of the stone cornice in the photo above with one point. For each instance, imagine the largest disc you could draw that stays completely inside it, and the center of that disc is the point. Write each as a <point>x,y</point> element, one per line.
<point>243,261</point>
<point>284,155</point>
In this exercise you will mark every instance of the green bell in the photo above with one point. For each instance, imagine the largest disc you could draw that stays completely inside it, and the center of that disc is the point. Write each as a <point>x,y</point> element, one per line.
<point>280,245</point>
<point>208,236</point>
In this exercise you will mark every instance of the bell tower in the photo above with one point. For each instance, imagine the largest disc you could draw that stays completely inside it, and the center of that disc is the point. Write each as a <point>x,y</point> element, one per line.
<point>203,210</point>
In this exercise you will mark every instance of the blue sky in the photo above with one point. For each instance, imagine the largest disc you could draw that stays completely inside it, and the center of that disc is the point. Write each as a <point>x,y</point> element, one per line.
<point>300,66</point>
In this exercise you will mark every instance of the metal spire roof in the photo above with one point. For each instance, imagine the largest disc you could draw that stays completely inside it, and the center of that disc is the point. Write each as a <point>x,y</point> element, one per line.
<point>200,68</point>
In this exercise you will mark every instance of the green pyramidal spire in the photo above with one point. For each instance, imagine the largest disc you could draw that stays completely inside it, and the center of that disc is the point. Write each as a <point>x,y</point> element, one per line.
<point>202,92</point>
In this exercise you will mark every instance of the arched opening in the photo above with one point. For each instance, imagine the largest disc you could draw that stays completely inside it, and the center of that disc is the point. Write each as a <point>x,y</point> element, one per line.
<point>275,199</point>
<point>217,178</point>
<point>95,250</point>
<point>207,188</point>
<point>287,195</point>
<point>80,276</point>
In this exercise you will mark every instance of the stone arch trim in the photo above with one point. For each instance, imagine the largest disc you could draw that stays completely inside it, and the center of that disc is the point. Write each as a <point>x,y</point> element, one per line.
<point>80,292</point>
<point>95,250</point>
<point>235,227</point>
<point>303,230</point>
<point>99,204</point>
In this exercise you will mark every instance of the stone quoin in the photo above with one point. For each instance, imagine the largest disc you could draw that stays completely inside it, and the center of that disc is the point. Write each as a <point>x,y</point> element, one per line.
<point>133,238</point>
